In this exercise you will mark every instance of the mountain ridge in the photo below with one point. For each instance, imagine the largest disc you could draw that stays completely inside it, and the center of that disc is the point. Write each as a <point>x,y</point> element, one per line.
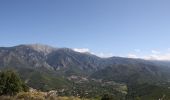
<point>45,68</point>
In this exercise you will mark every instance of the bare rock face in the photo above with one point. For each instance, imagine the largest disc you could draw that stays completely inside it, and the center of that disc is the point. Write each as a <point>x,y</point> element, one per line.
<point>42,48</point>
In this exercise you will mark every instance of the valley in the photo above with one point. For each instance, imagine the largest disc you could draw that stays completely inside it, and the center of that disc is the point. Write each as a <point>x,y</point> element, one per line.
<point>85,75</point>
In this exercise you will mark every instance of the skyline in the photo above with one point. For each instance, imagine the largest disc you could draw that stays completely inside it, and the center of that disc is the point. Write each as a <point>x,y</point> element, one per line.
<point>138,29</point>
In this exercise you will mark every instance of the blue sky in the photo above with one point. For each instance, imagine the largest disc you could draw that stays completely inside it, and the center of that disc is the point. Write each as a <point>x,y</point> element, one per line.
<point>108,27</point>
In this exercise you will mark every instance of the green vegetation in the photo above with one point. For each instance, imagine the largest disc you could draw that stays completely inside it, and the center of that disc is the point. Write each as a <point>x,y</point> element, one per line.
<point>13,88</point>
<point>148,92</point>
<point>10,83</point>
<point>40,96</point>
<point>107,97</point>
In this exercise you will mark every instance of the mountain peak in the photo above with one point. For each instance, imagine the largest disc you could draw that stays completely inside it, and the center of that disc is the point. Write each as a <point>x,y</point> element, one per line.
<point>46,49</point>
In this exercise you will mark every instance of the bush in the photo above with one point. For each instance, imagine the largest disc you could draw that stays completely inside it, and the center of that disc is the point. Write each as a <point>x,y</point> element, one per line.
<point>30,96</point>
<point>107,97</point>
<point>10,83</point>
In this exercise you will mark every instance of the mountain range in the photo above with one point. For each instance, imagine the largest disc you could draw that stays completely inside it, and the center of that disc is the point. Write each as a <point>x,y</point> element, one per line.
<point>44,67</point>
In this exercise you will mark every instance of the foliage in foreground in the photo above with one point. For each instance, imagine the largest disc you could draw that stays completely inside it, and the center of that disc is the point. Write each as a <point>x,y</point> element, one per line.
<point>39,96</point>
<point>10,83</point>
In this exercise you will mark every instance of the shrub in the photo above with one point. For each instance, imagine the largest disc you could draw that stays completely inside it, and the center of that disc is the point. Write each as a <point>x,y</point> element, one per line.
<point>10,83</point>
<point>107,97</point>
<point>30,96</point>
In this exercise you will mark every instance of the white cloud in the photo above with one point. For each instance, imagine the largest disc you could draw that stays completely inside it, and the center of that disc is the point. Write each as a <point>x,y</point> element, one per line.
<point>155,52</point>
<point>165,56</point>
<point>155,55</point>
<point>132,56</point>
<point>101,54</point>
<point>104,55</point>
<point>151,57</point>
<point>81,50</point>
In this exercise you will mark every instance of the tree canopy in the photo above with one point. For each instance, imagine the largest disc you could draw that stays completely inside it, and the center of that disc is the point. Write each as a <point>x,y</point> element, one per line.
<point>11,83</point>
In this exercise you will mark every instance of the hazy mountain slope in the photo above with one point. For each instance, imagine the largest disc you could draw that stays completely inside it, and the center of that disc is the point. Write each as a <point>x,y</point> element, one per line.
<point>68,62</point>
<point>22,56</point>
<point>74,62</point>
<point>44,56</point>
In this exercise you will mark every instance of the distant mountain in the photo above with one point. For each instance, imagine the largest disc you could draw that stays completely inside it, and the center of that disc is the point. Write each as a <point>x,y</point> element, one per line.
<point>45,67</point>
<point>69,62</point>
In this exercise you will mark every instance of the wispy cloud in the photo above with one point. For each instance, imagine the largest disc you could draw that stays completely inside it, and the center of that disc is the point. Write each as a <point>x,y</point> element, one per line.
<point>155,52</point>
<point>100,54</point>
<point>165,56</point>
<point>82,50</point>
<point>136,53</point>
<point>132,56</point>
<point>104,55</point>
<point>154,55</point>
